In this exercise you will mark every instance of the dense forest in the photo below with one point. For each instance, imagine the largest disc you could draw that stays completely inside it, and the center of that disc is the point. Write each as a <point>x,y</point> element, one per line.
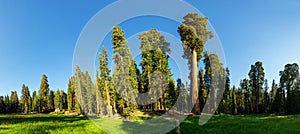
<point>115,92</point>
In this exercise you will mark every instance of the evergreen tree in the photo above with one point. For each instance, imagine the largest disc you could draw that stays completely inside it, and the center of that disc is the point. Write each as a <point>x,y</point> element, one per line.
<point>25,101</point>
<point>103,81</point>
<point>266,100</point>
<point>51,101</point>
<point>214,78</point>
<point>71,94</point>
<point>2,105</point>
<point>202,89</point>
<point>34,102</point>
<point>80,105</point>
<point>124,82</point>
<point>155,64</point>
<point>272,95</point>
<point>14,102</point>
<point>288,79</point>
<point>234,103</point>
<point>43,94</point>
<point>225,105</point>
<point>240,98</point>
<point>194,34</point>
<point>247,96</point>
<point>60,99</point>
<point>256,76</point>
<point>171,94</point>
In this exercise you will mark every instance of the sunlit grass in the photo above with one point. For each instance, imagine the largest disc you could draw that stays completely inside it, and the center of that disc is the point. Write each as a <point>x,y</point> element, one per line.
<point>220,124</point>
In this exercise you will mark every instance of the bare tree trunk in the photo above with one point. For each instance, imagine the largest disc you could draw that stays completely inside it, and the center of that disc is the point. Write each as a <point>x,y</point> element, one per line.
<point>194,83</point>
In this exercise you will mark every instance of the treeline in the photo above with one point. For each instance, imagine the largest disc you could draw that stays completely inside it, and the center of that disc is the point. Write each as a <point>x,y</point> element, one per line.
<point>127,89</point>
<point>44,101</point>
<point>255,96</point>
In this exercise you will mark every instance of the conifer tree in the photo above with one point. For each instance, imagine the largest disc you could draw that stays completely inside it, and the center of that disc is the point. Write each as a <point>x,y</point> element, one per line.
<point>14,102</point>
<point>234,103</point>
<point>256,76</point>
<point>43,94</point>
<point>125,83</point>
<point>51,105</point>
<point>34,101</point>
<point>71,94</point>
<point>103,81</point>
<point>194,34</point>
<point>25,99</point>
<point>203,92</point>
<point>155,50</point>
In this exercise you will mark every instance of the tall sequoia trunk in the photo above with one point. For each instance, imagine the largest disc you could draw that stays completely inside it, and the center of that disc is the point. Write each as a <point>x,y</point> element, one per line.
<point>194,84</point>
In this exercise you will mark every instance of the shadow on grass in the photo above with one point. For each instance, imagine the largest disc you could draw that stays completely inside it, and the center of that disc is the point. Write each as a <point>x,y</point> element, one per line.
<point>41,118</point>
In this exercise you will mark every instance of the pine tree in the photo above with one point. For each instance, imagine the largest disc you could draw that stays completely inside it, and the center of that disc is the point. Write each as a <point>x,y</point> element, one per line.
<point>51,101</point>
<point>266,100</point>
<point>214,78</point>
<point>224,106</point>
<point>203,93</point>
<point>71,94</point>
<point>34,102</point>
<point>156,72</point>
<point>103,81</point>
<point>273,93</point>
<point>288,79</point>
<point>25,101</point>
<point>234,103</point>
<point>247,96</point>
<point>194,34</point>
<point>14,102</point>
<point>124,82</point>
<point>2,104</point>
<point>256,76</point>
<point>80,92</point>
<point>43,94</point>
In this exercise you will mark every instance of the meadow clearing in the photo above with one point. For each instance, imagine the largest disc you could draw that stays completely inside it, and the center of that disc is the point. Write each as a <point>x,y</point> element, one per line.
<point>220,124</point>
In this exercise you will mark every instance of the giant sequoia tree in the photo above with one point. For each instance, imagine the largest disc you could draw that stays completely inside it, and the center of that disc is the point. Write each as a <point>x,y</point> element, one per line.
<point>194,34</point>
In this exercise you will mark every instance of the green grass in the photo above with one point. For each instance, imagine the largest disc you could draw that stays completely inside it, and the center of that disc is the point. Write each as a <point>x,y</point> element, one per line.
<point>43,124</point>
<point>220,124</point>
<point>249,124</point>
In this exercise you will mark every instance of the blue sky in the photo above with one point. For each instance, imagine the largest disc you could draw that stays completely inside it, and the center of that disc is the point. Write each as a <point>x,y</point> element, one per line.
<point>39,37</point>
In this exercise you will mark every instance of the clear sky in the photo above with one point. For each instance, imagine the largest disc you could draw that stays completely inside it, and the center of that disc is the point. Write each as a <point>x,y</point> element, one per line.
<point>39,37</point>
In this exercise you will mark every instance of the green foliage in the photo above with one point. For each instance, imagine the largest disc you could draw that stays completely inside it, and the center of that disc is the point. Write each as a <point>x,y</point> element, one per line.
<point>194,34</point>
<point>257,78</point>
<point>123,77</point>
<point>288,79</point>
<point>60,99</point>
<point>34,102</point>
<point>51,98</point>
<point>43,94</point>
<point>71,94</point>
<point>14,102</point>
<point>25,101</point>
<point>214,78</point>
<point>156,71</point>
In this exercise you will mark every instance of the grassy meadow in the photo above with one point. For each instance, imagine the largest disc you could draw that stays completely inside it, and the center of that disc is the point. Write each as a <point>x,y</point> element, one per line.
<point>220,124</point>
